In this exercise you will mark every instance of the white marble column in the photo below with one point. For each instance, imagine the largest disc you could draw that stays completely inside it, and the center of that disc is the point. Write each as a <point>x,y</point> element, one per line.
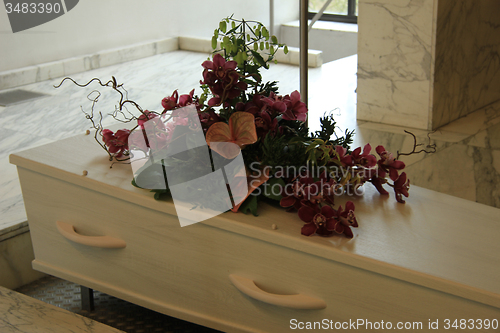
<point>425,63</point>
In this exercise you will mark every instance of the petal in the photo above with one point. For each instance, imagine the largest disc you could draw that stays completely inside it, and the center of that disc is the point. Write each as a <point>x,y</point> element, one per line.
<point>393,174</point>
<point>380,150</point>
<point>230,65</point>
<point>309,229</point>
<point>327,211</point>
<point>253,183</point>
<point>214,101</point>
<point>348,232</point>
<point>349,206</point>
<point>295,96</point>
<point>367,149</point>
<point>242,128</point>
<point>306,213</point>
<point>279,106</point>
<point>287,201</point>
<point>218,61</point>
<point>301,117</point>
<point>331,223</point>
<point>398,165</point>
<point>218,132</point>
<point>208,64</point>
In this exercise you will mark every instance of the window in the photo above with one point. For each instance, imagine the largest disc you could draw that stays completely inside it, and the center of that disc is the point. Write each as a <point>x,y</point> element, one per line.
<point>337,10</point>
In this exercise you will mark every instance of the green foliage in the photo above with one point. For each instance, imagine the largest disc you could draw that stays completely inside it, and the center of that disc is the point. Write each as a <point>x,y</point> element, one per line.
<point>249,44</point>
<point>250,205</point>
<point>272,188</point>
<point>328,129</point>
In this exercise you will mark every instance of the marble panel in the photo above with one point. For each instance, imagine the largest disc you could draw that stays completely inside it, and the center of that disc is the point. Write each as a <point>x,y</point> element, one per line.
<point>23,314</point>
<point>467,63</point>
<point>496,160</point>
<point>486,175</point>
<point>450,170</point>
<point>16,255</point>
<point>395,60</point>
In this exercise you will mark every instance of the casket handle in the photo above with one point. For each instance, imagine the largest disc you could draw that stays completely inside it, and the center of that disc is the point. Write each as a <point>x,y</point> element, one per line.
<point>297,301</point>
<point>68,231</point>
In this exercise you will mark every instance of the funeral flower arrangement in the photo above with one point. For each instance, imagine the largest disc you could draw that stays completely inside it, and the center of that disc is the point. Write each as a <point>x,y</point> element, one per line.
<point>284,162</point>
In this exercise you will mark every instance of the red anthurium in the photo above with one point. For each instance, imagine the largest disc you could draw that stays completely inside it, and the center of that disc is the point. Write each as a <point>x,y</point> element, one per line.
<point>401,186</point>
<point>240,131</point>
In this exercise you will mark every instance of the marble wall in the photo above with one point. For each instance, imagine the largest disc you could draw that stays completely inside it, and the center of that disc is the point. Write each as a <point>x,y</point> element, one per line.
<point>395,60</point>
<point>425,63</point>
<point>467,62</point>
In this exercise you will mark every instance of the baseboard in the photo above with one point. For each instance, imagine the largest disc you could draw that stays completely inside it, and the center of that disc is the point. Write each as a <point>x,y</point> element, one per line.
<point>32,74</point>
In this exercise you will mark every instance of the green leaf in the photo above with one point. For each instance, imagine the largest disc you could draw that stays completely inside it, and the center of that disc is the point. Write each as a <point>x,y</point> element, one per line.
<point>274,39</point>
<point>265,33</point>
<point>222,26</point>
<point>248,37</point>
<point>158,194</point>
<point>285,49</point>
<point>250,205</point>
<point>267,45</point>
<point>255,46</point>
<point>272,189</point>
<point>214,42</point>
<point>262,46</point>
<point>233,24</point>
<point>259,59</point>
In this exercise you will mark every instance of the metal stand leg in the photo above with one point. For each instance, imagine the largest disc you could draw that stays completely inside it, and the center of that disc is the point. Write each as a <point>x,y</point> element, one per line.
<point>87,296</point>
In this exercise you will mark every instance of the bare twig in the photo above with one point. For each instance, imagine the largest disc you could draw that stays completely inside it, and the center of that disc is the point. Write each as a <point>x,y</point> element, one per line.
<point>431,147</point>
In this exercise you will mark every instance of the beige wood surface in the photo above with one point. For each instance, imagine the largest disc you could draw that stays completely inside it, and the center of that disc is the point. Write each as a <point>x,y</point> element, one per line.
<point>435,257</point>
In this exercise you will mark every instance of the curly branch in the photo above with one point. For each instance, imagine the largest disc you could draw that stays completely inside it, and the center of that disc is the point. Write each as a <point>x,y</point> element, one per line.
<point>431,147</point>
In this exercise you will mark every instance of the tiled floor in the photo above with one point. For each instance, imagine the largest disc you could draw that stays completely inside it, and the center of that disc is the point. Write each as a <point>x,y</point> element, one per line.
<point>109,310</point>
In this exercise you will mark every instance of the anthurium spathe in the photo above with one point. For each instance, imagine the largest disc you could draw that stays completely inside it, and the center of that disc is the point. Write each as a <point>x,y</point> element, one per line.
<point>240,132</point>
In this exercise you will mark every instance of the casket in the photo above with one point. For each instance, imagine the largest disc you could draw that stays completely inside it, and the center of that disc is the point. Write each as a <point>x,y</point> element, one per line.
<point>432,261</point>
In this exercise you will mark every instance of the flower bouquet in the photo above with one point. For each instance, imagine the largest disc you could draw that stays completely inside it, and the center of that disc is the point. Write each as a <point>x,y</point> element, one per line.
<point>255,135</point>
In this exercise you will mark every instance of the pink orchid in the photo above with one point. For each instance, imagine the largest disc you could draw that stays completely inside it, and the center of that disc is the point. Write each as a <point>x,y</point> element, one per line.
<point>388,163</point>
<point>117,142</point>
<point>401,186</point>
<point>222,79</point>
<point>296,110</point>
<point>364,159</point>
<point>316,219</point>
<point>344,220</point>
